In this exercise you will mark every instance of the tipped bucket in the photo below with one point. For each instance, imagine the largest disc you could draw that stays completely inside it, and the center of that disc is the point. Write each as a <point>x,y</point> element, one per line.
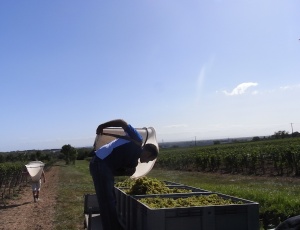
<point>143,168</point>
<point>35,169</point>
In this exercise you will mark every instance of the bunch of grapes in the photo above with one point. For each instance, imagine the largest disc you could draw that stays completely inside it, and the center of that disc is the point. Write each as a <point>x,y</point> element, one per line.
<point>126,183</point>
<point>144,186</point>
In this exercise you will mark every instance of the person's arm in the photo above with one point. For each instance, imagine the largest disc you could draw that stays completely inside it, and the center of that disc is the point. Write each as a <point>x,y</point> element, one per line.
<point>114,123</point>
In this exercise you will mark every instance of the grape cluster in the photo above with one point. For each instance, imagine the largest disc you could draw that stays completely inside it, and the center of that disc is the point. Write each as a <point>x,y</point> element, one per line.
<point>202,200</point>
<point>126,183</point>
<point>144,186</point>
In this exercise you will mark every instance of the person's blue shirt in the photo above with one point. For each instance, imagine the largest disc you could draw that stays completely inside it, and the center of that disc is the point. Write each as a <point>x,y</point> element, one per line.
<point>121,152</point>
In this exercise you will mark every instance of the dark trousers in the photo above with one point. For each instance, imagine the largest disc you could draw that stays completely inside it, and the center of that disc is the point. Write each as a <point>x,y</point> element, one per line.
<point>104,186</point>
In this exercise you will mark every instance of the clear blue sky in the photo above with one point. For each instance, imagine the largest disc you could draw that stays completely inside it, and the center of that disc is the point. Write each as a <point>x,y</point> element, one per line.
<point>205,69</point>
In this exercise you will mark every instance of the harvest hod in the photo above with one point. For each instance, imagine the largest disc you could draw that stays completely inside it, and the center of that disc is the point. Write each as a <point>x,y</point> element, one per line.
<point>135,215</point>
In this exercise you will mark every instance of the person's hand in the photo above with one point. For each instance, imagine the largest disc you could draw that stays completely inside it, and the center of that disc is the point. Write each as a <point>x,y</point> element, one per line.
<point>99,130</point>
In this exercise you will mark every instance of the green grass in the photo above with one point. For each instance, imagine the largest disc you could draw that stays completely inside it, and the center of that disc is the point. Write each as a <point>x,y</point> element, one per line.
<point>277,196</point>
<point>74,182</point>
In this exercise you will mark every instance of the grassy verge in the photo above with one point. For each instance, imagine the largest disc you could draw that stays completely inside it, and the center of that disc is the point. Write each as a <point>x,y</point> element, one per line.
<point>74,182</point>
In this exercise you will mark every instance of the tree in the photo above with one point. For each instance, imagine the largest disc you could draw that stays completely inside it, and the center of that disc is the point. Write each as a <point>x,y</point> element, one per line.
<point>295,134</point>
<point>83,153</point>
<point>70,154</point>
<point>38,154</point>
<point>73,155</point>
<point>217,142</point>
<point>256,138</point>
<point>281,134</point>
<point>2,158</point>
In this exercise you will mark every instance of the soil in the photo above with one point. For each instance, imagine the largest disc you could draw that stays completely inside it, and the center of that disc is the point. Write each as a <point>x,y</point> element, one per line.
<point>23,213</point>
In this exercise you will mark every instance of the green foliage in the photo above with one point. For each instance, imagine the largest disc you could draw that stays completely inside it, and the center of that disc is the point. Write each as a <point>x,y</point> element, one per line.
<point>271,157</point>
<point>256,138</point>
<point>70,154</point>
<point>281,134</point>
<point>29,155</point>
<point>10,179</point>
<point>10,168</point>
<point>2,158</point>
<point>83,153</point>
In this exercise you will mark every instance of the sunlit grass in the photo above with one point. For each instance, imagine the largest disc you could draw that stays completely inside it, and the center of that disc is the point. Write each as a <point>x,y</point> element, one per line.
<point>74,182</point>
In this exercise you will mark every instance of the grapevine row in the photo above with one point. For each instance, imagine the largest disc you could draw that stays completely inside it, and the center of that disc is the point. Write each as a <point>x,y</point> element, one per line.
<point>260,158</point>
<point>11,178</point>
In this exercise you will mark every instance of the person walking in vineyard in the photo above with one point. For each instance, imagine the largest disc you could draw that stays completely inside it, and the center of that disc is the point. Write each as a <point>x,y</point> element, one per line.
<point>36,187</point>
<point>119,157</point>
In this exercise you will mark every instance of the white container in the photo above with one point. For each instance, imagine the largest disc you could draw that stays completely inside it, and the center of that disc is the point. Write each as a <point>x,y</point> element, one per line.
<point>148,134</point>
<point>35,170</point>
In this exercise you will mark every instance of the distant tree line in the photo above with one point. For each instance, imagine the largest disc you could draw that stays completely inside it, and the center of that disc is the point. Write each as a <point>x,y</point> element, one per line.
<point>278,135</point>
<point>29,155</point>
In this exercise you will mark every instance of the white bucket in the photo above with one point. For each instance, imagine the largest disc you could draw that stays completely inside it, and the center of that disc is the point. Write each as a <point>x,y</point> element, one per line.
<point>143,168</point>
<point>35,170</point>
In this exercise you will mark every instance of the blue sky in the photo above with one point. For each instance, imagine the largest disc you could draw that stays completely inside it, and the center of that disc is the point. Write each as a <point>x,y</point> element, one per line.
<point>190,69</point>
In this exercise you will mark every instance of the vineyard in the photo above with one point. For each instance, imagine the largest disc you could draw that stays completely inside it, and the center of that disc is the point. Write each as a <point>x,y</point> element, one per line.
<point>12,177</point>
<point>271,157</point>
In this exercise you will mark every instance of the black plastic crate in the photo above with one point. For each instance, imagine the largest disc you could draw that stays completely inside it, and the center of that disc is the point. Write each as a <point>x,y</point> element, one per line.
<point>123,201</point>
<point>122,205</point>
<point>243,216</point>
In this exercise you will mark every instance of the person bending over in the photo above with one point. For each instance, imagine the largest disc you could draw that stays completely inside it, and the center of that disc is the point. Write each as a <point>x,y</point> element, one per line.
<point>120,155</point>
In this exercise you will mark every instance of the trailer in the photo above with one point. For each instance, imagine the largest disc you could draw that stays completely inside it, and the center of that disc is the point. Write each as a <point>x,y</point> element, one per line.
<point>92,219</point>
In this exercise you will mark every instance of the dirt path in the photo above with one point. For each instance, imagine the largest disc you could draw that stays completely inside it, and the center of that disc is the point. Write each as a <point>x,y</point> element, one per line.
<point>23,213</point>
